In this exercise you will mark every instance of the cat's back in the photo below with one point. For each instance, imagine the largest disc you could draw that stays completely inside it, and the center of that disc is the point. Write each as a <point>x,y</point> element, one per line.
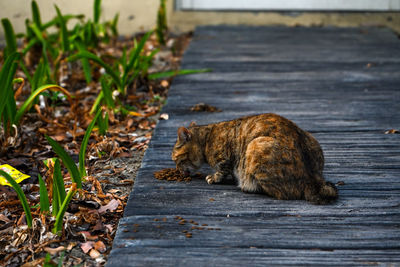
<point>268,124</point>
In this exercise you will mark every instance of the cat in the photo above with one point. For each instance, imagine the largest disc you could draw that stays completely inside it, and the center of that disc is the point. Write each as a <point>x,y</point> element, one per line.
<point>265,153</point>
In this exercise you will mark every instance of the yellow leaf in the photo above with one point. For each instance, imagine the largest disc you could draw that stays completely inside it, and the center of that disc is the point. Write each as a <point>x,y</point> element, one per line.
<point>137,114</point>
<point>14,173</point>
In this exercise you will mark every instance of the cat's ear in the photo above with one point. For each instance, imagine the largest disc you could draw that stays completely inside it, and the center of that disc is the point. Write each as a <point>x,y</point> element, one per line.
<point>192,124</point>
<point>184,135</point>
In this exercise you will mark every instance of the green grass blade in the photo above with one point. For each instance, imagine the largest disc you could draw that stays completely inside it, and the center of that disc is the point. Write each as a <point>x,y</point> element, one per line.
<point>103,124</point>
<point>67,160</point>
<point>64,31</point>
<point>133,57</point>
<point>105,88</point>
<point>96,103</point>
<point>29,33</point>
<point>59,181</point>
<point>87,71</point>
<point>56,200</point>
<point>166,74</point>
<point>44,196</point>
<point>26,105</point>
<point>35,28</point>
<point>20,195</point>
<point>7,73</point>
<point>161,22</point>
<point>85,140</point>
<point>11,40</point>
<point>93,57</point>
<point>38,76</point>
<point>66,18</point>
<point>11,109</point>
<point>36,14</point>
<point>96,11</point>
<point>114,25</point>
<point>60,215</point>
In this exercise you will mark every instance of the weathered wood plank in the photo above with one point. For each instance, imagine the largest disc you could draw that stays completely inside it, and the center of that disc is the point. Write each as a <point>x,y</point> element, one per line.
<point>342,85</point>
<point>230,256</point>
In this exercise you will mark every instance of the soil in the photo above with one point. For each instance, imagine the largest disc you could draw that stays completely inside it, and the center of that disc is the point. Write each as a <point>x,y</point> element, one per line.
<point>112,163</point>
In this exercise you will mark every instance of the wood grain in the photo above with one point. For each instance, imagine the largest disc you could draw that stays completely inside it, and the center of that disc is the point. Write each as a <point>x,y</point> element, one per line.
<point>341,84</point>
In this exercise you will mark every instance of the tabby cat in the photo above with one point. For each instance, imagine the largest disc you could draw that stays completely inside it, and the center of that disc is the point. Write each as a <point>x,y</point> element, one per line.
<point>265,153</point>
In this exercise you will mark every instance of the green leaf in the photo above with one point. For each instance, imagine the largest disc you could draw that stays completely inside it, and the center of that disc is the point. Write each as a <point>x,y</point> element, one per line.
<point>67,160</point>
<point>161,22</point>
<point>85,62</point>
<point>65,17</point>
<point>105,88</point>
<point>103,124</point>
<point>56,200</point>
<point>85,140</point>
<point>36,14</point>
<point>166,74</point>
<point>59,218</point>
<point>11,40</point>
<point>113,26</point>
<point>44,196</point>
<point>38,76</point>
<point>93,57</point>
<point>58,181</point>
<point>96,11</point>
<point>64,31</point>
<point>26,105</point>
<point>20,195</point>
<point>97,103</point>
<point>133,58</point>
<point>7,73</point>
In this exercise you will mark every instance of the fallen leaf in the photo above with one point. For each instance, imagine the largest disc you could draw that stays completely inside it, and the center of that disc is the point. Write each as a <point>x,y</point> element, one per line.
<point>88,236</point>
<point>109,227</point>
<point>114,190</point>
<point>111,206</point>
<point>4,218</point>
<point>392,131</point>
<point>54,251</point>
<point>34,263</point>
<point>164,116</point>
<point>164,83</point>
<point>94,254</point>
<point>134,113</point>
<point>87,246</point>
<point>99,245</point>
<point>71,246</point>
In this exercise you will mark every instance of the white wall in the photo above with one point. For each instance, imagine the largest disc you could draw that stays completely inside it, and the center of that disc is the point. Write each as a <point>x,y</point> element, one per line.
<point>135,15</point>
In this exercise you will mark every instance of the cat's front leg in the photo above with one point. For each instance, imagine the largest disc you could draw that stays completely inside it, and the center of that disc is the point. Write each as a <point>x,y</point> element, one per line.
<point>223,169</point>
<point>215,178</point>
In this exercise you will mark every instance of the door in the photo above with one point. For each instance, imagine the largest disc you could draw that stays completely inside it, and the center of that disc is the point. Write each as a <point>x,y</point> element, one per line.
<point>301,5</point>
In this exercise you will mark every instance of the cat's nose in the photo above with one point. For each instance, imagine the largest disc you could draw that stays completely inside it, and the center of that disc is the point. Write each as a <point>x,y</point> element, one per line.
<point>186,172</point>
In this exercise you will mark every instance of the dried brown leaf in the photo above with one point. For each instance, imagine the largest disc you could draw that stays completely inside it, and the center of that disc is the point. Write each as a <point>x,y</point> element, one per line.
<point>164,116</point>
<point>99,245</point>
<point>87,246</point>
<point>392,131</point>
<point>111,206</point>
<point>54,251</point>
<point>94,254</point>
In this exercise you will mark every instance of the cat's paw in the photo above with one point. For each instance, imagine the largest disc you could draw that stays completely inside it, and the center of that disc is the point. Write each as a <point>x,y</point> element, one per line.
<point>214,178</point>
<point>210,179</point>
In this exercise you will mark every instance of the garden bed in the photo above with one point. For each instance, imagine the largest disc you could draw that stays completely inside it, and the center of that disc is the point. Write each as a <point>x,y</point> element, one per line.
<point>113,85</point>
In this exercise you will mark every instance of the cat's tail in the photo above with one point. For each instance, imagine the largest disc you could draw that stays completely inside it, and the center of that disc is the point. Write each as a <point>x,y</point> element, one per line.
<point>326,194</point>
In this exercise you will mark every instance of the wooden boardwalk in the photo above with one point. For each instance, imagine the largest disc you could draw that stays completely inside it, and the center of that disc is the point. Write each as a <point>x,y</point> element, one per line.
<point>342,85</point>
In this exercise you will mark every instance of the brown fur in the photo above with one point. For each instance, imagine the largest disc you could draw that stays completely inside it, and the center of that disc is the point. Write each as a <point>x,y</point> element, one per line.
<point>266,153</point>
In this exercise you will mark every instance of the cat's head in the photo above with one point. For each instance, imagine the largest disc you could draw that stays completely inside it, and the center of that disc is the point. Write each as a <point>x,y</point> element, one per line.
<point>187,152</point>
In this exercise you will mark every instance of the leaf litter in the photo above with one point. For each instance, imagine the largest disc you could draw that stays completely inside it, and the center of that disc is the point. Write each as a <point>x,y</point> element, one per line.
<point>92,217</point>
